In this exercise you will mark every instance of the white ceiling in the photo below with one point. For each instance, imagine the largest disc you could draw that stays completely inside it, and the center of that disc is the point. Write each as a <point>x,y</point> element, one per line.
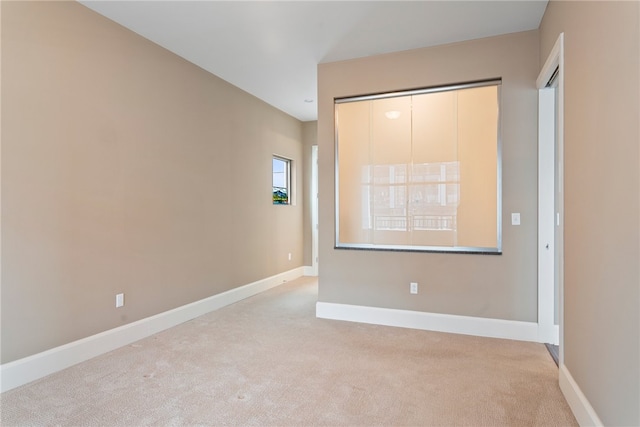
<point>271,49</point>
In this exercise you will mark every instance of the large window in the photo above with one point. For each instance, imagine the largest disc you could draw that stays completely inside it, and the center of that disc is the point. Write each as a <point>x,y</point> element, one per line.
<point>420,170</point>
<point>281,168</point>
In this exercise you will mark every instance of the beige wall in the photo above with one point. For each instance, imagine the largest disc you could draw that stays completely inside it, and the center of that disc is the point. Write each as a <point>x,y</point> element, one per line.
<point>127,169</point>
<point>602,195</point>
<point>495,286</point>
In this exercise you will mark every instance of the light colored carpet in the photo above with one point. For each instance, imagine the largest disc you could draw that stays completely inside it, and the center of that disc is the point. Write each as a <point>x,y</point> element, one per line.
<point>267,361</point>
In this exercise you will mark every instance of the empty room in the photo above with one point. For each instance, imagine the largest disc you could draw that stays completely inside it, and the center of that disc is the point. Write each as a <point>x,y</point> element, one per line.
<point>275,213</point>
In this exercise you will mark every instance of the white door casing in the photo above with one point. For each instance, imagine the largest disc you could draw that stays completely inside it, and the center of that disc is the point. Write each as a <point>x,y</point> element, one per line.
<point>550,198</point>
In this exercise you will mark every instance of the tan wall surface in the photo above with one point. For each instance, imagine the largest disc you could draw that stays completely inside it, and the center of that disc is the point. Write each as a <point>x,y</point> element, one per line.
<point>494,286</point>
<point>127,169</point>
<point>602,196</point>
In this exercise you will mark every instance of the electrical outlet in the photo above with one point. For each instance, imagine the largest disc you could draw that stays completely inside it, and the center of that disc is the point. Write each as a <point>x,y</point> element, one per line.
<point>119,300</point>
<point>289,256</point>
<point>413,287</point>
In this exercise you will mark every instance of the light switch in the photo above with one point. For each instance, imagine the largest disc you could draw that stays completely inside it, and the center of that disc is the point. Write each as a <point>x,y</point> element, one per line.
<point>515,219</point>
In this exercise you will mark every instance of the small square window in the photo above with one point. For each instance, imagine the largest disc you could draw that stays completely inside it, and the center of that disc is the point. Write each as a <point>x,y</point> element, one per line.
<point>281,181</point>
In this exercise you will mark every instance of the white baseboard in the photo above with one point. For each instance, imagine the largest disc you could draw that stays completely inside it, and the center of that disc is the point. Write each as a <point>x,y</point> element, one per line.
<point>580,406</point>
<point>494,328</point>
<point>310,271</point>
<point>31,368</point>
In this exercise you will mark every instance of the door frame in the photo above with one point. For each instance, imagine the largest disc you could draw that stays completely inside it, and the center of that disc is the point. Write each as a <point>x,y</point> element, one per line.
<point>550,216</point>
<point>314,210</point>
